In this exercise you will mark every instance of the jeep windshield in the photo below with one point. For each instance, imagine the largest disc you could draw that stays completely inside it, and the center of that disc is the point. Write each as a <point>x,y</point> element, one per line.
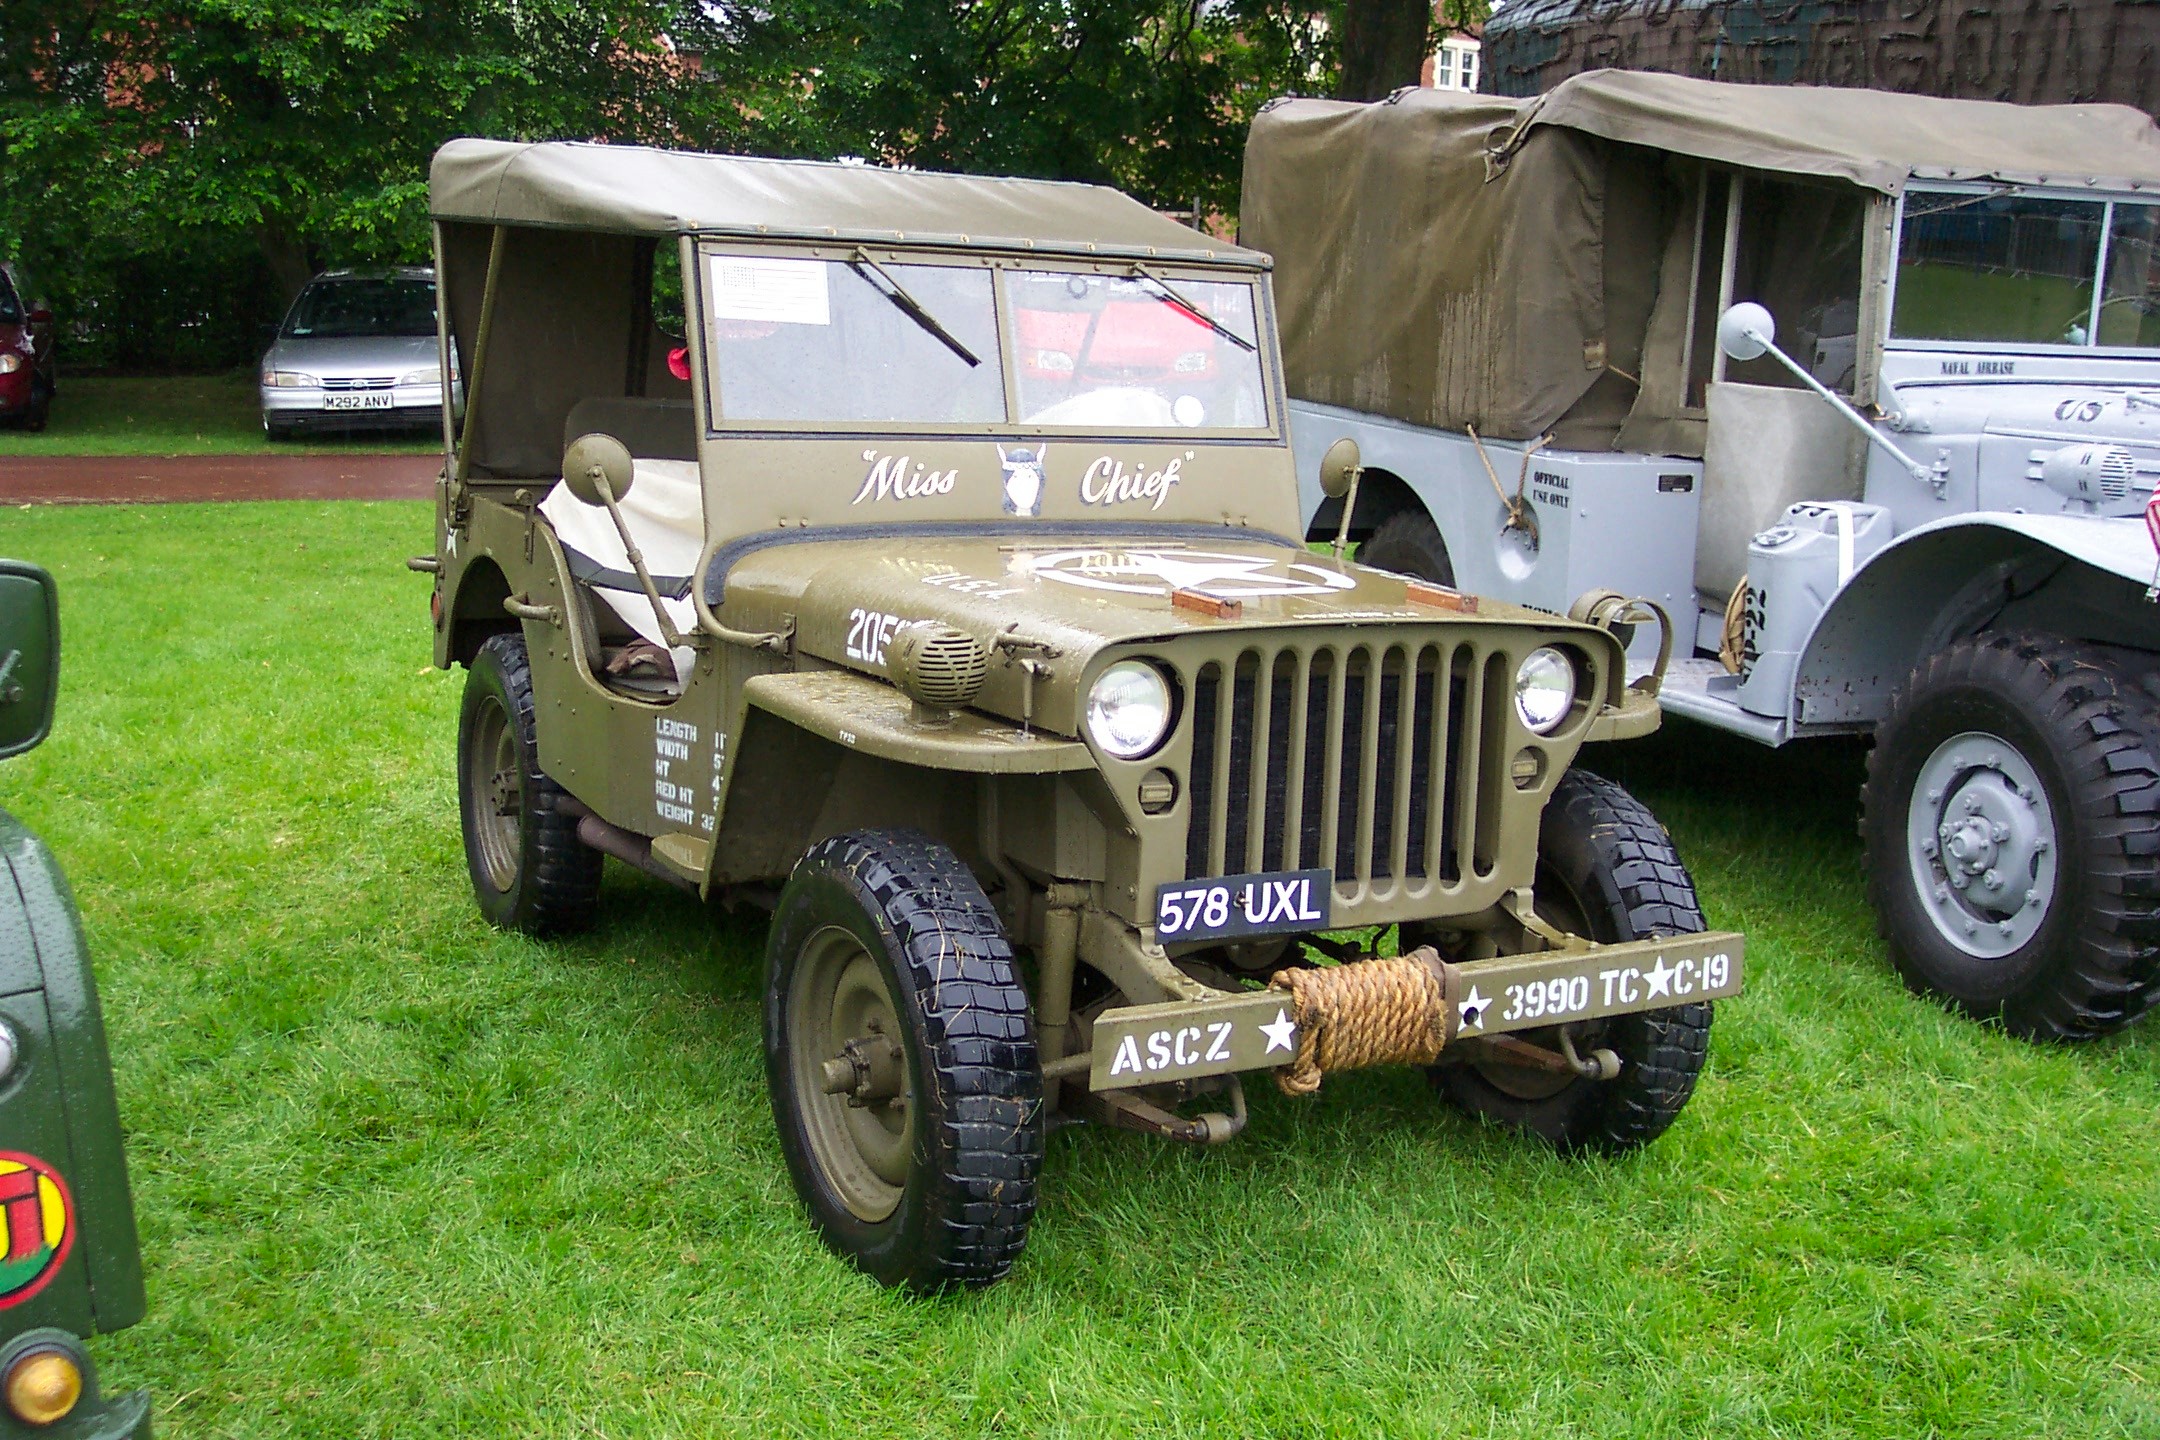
<point>2011,266</point>
<point>983,346</point>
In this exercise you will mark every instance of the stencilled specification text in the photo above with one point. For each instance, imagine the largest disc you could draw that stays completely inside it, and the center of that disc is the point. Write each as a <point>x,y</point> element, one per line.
<point>678,789</point>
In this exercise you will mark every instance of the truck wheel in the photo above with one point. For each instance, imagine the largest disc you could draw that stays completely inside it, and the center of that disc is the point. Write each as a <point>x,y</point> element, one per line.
<point>530,872</point>
<point>1408,543</point>
<point>2011,800</point>
<point>900,1053</point>
<point>1606,870</point>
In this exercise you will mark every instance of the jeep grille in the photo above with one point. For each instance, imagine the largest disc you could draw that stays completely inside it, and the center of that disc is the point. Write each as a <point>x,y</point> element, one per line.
<point>1322,766</point>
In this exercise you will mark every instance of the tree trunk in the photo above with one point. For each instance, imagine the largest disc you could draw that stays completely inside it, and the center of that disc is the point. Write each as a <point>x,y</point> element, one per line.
<point>287,256</point>
<point>1383,46</point>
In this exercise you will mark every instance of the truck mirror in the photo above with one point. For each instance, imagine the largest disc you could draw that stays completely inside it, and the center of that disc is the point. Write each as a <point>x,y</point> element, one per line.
<point>1746,332</point>
<point>29,655</point>
<point>1339,468</point>
<point>593,460</point>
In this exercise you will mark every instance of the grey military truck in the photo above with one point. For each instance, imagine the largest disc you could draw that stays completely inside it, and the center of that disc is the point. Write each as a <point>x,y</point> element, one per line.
<point>939,586</point>
<point>1548,324</point>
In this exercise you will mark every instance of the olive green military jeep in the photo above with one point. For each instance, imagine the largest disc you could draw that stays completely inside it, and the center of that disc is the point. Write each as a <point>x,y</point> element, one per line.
<point>939,587</point>
<point>69,1263</point>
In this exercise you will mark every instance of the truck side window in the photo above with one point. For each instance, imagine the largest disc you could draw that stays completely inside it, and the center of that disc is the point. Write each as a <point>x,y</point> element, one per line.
<point>1799,254</point>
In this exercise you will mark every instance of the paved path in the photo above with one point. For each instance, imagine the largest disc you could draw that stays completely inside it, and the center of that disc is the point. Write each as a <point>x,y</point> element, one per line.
<point>140,479</point>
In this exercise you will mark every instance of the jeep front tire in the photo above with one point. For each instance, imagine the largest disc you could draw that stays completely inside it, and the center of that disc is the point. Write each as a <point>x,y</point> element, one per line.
<point>900,1055</point>
<point>1607,871</point>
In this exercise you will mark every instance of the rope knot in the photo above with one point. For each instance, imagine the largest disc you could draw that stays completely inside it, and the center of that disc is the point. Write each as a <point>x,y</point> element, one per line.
<point>1399,1011</point>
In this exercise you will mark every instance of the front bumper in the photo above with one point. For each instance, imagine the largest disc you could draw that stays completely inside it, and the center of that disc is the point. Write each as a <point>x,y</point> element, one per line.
<point>1259,1030</point>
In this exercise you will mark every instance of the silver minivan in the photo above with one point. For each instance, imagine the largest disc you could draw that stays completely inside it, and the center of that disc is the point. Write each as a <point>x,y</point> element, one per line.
<point>358,350</point>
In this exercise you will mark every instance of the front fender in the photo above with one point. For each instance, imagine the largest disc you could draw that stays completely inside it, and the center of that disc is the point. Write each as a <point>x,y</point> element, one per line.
<point>2074,575</point>
<point>871,717</point>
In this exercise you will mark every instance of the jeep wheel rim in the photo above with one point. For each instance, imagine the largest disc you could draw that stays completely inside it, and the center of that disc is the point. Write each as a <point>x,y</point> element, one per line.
<point>850,1073</point>
<point>1981,845</point>
<point>497,795</point>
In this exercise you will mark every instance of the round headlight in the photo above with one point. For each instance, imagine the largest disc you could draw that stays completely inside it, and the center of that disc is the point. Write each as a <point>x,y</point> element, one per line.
<point>1128,711</point>
<point>1544,689</point>
<point>10,363</point>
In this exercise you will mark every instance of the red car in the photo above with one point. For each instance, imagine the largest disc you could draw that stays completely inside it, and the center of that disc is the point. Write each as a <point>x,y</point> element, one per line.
<point>28,377</point>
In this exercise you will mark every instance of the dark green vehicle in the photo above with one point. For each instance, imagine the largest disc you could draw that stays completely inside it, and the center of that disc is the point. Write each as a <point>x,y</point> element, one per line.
<point>940,589</point>
<point>69,1265</point>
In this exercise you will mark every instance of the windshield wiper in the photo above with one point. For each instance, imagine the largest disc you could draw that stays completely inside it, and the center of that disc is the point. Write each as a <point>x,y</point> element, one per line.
<point>1172,296</point>
<point>909,306</point>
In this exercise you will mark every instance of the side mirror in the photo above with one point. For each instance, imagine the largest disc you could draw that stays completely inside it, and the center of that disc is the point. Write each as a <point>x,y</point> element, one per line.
<point>594,461</point>
<point>1339,468</point>
<point>1746,332</point>
<point>41,314</point>
<point>29,655</point>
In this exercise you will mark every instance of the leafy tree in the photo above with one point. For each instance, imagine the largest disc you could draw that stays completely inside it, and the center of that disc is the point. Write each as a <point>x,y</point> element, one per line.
<point>156,153</point>
<point>1149,95</point>
<point>306,124</point>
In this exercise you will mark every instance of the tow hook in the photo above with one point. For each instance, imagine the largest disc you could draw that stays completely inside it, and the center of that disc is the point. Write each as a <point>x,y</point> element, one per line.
<point>1602,1064</point>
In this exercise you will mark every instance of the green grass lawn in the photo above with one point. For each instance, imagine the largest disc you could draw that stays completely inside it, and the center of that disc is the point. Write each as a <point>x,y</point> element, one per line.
<point>177,415</point>
<point>400,1175</point>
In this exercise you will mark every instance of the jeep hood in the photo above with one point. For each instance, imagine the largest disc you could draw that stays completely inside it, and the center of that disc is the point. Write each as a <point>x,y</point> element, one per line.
<point>1063,598</point>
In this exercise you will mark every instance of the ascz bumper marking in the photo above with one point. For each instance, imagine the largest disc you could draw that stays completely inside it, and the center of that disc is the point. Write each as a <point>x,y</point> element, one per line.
<point>1179,1048</point>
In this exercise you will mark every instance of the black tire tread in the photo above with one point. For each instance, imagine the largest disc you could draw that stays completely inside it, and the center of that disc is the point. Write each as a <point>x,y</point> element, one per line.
<point>2098,704</point>
<point>987,1141</point>
<point>1639,889</point>
<point>560,885</point>
<point>1409,543</point>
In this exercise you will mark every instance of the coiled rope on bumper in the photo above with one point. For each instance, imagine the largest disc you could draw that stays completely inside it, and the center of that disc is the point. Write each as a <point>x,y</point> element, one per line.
<point>1399,1011</point>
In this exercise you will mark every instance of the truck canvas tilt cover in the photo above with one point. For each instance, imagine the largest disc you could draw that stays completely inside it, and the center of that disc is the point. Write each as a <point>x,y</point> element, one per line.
<point>1549,326</point>
<point>942,587</point>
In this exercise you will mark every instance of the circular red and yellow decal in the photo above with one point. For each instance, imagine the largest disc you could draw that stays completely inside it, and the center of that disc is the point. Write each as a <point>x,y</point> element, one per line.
<point>37,1225</point>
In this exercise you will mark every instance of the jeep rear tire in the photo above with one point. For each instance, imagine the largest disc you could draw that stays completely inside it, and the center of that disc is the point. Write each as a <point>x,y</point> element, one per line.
<point>529,870</point>
<point>1408,543</point>
<point>2011,803</point>
<point>900,1055</point>
<point>1606,870</point>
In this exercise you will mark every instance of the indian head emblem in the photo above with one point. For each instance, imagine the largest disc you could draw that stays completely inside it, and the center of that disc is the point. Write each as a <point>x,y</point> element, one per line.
<point>37,1225</point>
<point>1023,479</point>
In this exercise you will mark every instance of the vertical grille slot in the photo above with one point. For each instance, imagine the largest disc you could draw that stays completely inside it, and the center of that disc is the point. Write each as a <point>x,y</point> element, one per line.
<point>1363,758</point>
